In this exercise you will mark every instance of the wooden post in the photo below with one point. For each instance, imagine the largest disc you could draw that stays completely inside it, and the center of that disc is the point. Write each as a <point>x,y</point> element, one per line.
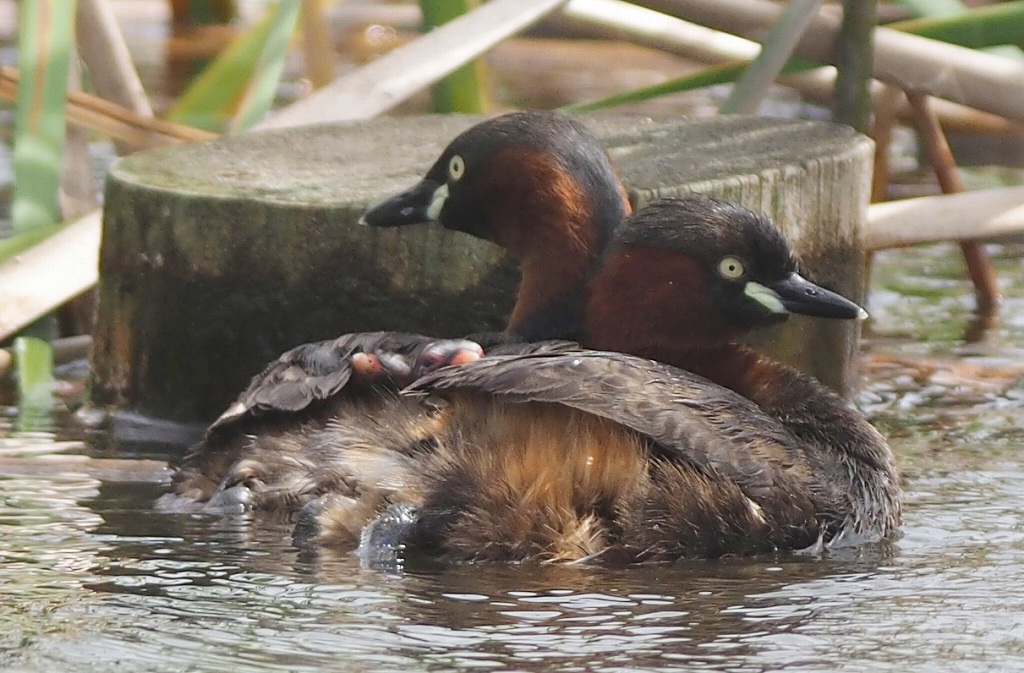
<point>218,256</point>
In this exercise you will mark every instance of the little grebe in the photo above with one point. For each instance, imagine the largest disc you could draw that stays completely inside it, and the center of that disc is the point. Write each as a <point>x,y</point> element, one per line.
<point>564,454</point>
<point>537,183</point>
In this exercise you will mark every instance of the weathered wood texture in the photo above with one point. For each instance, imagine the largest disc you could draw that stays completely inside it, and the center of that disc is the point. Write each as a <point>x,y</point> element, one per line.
<point>218,256</point>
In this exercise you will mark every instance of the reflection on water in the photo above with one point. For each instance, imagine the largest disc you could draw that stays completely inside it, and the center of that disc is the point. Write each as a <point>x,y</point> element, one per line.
<point>94,580</point>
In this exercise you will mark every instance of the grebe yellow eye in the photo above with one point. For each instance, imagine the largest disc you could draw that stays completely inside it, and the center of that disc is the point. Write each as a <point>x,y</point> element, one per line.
<point>456,168</point>
<point>731,268</point>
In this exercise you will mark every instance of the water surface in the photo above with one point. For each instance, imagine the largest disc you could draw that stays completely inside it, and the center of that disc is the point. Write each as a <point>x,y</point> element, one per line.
<point>93,579</point>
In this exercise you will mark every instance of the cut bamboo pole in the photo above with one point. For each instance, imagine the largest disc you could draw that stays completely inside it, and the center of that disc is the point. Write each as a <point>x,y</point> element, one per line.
<point>756,79</point>
<point>819,85</point>
<point>391,79</point>
<point>614,19</point>
<point>44,277</point>
<point>317,51</point>
<point>912,63</point>
<point>976,215</point>
<point>61,268</point>
<point>104,50</point>
<point>617,20</point>
<point>111,69</point>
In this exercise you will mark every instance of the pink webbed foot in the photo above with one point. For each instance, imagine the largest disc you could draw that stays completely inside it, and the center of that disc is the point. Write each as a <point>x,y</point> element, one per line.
<point>402,369</point>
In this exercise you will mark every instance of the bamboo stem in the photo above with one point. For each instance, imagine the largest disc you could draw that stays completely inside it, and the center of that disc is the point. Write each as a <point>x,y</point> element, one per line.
<point>854,58</point>
<point>464,89</point>
<point>818,85</point>
<point>778,47</point>
<point>102,47</point>
<point>104,50</point>
<point>976,215</point>
<point>45,276</point>
<point>318,54</point>
<point>45,42</point>
<point>65,349</point>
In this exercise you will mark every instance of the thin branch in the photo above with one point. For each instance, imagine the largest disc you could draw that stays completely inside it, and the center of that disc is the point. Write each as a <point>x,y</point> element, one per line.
<point>111,119</point>
<point>881,133</point>
<point>979,267</point>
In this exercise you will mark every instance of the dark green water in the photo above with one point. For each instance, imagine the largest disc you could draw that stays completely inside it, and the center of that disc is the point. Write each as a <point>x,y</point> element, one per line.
<point>93,580</point>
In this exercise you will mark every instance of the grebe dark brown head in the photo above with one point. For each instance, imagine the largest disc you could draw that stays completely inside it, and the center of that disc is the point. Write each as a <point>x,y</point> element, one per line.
<point>710,271</point>
<point>536,183</point>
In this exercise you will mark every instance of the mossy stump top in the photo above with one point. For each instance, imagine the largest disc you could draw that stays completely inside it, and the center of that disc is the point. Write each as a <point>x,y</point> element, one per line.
<point>218,256</point>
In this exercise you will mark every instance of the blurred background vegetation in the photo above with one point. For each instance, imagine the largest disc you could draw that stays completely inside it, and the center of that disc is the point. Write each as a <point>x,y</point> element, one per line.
<point>83,82</point>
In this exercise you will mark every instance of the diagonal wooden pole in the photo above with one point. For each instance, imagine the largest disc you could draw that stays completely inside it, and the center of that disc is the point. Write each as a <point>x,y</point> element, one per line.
<point>979,267</point>
<point>881,133</point>
<point>386,82</point>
